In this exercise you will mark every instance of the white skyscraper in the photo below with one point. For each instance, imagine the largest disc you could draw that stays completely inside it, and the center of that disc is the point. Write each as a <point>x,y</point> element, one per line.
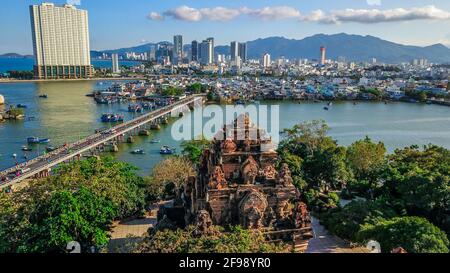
<point>115,63</point>
<point>234,50</point>
<point>177,48</point>
<point>207,52</point>
<point>266,60</point>
<point>60,41</point>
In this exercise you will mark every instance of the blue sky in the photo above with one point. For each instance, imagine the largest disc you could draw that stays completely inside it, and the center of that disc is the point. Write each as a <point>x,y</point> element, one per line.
<point>122,23</point>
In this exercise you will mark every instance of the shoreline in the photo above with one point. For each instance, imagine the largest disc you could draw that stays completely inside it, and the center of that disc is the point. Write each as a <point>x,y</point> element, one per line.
<point>72,80</point>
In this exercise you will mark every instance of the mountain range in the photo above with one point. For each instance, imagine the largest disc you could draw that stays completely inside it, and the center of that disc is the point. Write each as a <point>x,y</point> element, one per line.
<point>351,47</point>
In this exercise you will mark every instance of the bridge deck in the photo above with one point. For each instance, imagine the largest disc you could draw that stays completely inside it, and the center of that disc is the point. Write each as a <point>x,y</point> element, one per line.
<point>46,162</point>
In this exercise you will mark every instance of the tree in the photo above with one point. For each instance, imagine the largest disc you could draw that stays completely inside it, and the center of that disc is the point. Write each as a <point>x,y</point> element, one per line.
<point>366,159</point>
<point>316,160</point>
<point>421,180</point>
<point>346,222</point>
<point>77,203</point>
<point>237,240</point>
<point>171,172</point>
<point>414,234</point>
<point>193,149</point>
<point>197,88</point>
<point>172,91</point>
<point>69,216</point>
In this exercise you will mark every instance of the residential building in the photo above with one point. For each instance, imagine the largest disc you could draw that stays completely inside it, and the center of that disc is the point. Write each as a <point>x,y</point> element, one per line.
<point>60,37</point>
<point>115,63</point>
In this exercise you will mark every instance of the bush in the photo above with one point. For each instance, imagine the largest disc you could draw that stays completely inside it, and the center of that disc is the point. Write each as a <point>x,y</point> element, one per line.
<point>414,234</point>
<point>346,222</point>
<point>321,202</point>
<point>237,240</point>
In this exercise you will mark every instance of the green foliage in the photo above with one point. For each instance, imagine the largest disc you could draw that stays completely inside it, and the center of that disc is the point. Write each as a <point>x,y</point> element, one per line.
<point>347,221</point>
<point>237,240</point>
<point>78,203</point>
<point>421,179</point>
<point>21,75</point>
<point>15,112</point>
<point>105,177</point>
<point>193,149</point>
<point>197,88</point>
<point>314,157</point>
<point>414,234</point>
<point>320,202</point>
<point>419,96</point>
<point>66,217</point>
<point>366,159</point>
<point>172,91</point>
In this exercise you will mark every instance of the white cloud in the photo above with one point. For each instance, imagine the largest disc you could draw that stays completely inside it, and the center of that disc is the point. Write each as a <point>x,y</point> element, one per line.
<point>155,16</point>
<point>273,13</point>
<point>365,16</point>
<point>372,16</point>
<point>220,13</point>
<point>185,13</point>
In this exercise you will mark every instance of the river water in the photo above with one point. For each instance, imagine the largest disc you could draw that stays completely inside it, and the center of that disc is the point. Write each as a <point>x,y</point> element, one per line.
<point>68,115</point>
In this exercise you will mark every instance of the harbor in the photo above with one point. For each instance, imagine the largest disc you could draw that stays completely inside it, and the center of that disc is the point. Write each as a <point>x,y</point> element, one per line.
<point>68,115</point>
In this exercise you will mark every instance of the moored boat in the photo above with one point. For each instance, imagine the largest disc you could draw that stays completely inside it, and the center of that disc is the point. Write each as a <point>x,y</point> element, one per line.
<point>26,149</point>
<point>138,152</point>
<point>166,150</point>
<point>112,118</point>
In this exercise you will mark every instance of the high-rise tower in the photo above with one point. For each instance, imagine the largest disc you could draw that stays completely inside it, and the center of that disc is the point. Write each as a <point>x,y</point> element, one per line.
<point>323,55</point>
<point>60,41</point>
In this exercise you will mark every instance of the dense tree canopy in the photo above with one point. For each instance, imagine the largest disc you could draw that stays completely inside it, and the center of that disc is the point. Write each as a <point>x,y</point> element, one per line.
<point>414,234</point>
<point>168,176</point>
<point>78,203</point>
<point>237,240</point>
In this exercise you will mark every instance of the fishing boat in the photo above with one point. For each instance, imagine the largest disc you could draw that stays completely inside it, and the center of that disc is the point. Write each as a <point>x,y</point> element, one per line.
<point>26,149</point>
<point>155,141</point>
<point>37,140</point>
<point>135,109</point>
<point>50,149</point>
<point>166,150</point>
<point>21,105</point>
<point>112,118</point>
<point>43,96</point>
<point>138,152</point>
<point>147,106</point>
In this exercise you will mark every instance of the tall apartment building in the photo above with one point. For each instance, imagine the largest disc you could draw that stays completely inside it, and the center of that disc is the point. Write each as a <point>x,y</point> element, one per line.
<point>115,63</point>
<point>194,51</point>
<point>242,51</point>
<point>177,48</point>
<point>234,51</point>
<point>207,52</point>
<point>60,41</point>
<point>266,60</point>
<point>213,56</point>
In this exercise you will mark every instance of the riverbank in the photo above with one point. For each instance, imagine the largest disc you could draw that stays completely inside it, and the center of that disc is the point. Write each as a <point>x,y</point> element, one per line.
<point>72,80</point>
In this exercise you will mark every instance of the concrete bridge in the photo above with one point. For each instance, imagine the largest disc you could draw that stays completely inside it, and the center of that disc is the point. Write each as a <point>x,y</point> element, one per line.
<point>41,166</point>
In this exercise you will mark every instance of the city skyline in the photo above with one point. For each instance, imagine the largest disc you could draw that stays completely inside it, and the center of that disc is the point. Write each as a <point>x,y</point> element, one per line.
<point>412,23</point>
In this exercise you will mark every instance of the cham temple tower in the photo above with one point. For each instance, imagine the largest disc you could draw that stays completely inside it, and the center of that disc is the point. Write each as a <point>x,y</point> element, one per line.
<point>238,184</point>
